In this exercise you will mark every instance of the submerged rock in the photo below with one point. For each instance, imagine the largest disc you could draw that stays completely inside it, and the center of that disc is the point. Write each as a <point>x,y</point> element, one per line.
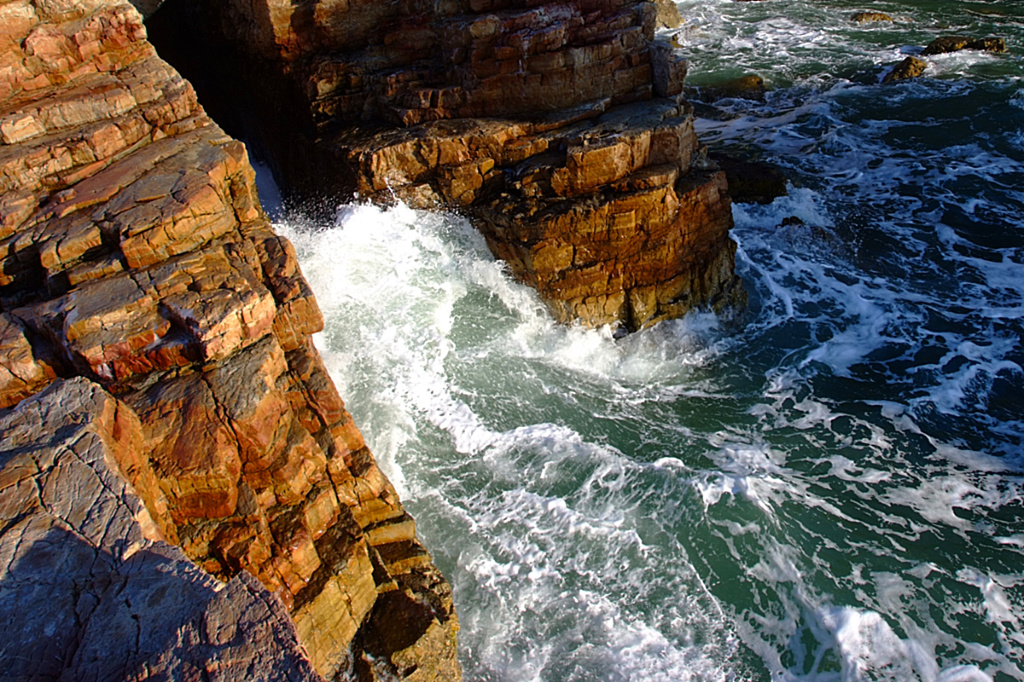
<point>911,67</point>
<point>754,182</point>
<point>750,86</point>
<point>947,44</point>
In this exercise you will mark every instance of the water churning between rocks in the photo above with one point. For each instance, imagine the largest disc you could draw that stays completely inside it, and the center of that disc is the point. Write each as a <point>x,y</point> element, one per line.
<point>831,487</point>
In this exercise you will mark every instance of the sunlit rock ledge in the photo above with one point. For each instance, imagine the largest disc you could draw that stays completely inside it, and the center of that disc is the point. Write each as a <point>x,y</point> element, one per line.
<point>558,126</point>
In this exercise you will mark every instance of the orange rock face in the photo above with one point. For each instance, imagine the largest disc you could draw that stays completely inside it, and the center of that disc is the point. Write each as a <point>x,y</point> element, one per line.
<point>557,125</point>
<point>134,252</point>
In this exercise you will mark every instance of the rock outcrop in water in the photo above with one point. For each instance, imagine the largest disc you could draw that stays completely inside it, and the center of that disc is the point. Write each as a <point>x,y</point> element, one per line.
<point>911,67</point>
<point>139,272</point>
<point>947,44</point>
<point>869,17</point>
<point>557,125</point>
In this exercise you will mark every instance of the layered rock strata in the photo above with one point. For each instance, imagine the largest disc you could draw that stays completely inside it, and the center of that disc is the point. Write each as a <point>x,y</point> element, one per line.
<point>557,125</point>
<point>134,253</point>
<point>89,588</point>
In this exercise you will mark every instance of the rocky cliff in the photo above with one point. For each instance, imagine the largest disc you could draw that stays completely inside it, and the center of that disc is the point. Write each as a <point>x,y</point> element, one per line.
<point>188,414</point>
<point>558,125</point>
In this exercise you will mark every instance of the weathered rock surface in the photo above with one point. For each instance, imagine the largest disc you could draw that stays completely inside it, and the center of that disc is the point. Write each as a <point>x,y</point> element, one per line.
<point>557,125</point>
<point>868,17</point>
<point>668,14</point>
<point>947,44</point>
<point>911,67</point>
<point>89,588</point>
<point>134,253</point>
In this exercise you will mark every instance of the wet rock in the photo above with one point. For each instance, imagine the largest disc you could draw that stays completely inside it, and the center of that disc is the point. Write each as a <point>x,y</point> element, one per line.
<point>750,86</point>
<point>947,44</point>
<point>751,181</point>
<point>867,17</point>
<point>911,67</point>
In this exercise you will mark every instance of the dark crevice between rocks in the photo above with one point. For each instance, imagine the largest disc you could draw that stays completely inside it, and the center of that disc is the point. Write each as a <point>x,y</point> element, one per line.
<point>244,100</point>
<point>398,621</point>
<point>184,40</point>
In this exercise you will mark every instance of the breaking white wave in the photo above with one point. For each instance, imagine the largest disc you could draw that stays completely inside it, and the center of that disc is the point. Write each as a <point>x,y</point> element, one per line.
<point>447,365</point>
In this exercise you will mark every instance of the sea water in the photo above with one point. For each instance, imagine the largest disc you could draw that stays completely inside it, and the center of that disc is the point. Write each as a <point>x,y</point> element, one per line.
<point>830,488</point>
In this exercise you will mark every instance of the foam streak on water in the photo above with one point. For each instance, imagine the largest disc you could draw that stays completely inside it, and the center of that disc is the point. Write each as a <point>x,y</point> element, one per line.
<point>831,490</point>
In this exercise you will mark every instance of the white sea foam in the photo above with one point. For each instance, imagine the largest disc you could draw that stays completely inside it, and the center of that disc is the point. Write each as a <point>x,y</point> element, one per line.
<point>394,286</point>
<point>870,648</point>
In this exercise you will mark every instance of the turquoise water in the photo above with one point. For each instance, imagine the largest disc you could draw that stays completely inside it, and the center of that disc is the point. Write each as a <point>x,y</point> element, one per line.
<point>831,489</point>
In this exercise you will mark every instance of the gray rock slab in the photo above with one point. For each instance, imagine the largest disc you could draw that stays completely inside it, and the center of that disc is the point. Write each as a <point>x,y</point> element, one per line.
<point>88,590</point>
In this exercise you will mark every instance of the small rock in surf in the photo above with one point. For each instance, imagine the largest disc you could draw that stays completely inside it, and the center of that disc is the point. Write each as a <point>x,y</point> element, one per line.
<point>911,67</point>
<point>865,17</point>
<point>668,14</point>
